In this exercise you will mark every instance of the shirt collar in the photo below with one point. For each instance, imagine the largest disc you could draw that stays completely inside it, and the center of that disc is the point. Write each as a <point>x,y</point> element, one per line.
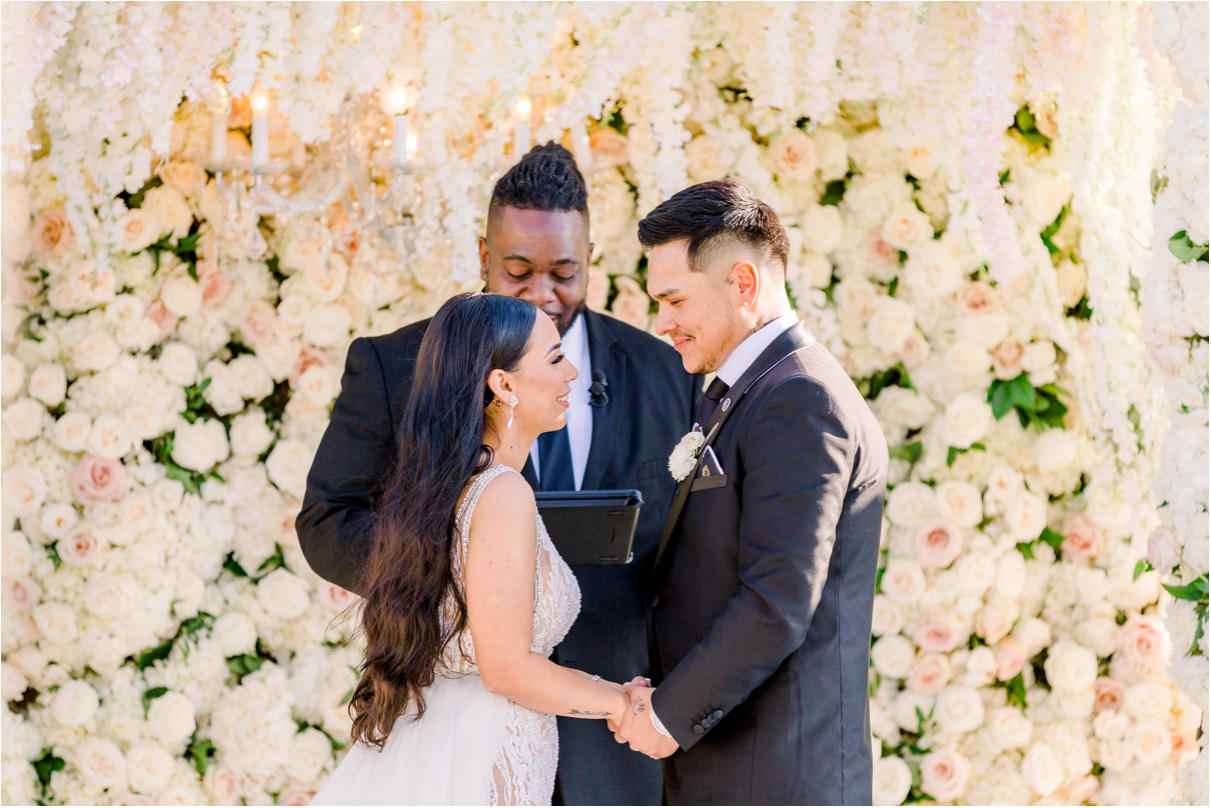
<point>575,345</point>
<point>747,352</point>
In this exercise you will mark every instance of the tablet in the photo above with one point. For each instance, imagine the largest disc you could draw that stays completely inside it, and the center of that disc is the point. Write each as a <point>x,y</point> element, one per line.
<point>591,527</point>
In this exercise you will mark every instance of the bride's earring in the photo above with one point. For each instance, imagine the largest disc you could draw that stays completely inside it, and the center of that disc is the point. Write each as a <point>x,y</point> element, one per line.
<point>512,410</point>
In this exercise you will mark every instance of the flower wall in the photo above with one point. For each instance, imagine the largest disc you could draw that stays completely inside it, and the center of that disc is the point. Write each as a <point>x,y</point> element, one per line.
<point>984,204</point>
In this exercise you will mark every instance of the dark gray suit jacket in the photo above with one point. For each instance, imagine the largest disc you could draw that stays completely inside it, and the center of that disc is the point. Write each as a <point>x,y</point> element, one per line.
<point>651,402</point>
<point>761,603</point>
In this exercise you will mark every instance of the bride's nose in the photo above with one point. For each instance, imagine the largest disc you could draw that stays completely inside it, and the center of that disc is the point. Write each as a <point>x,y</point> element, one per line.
<point>573,373</point>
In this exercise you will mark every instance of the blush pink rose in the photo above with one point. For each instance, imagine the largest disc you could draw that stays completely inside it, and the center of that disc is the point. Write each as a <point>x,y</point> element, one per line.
<point>1108,693</point>
<point>52,233</point>
<point>929,674</point>
<point>978,298</point>
<point>21,594</point>
<point>1011,656</point>
<point>1083,538</point>
<point>259,322</point>
<point>1144,642</point>
<point>938,543</point>
<point>81,547</point>
<point>938,632</point>
<point>334,597</point>
<point>98,479</point>
<point>308,358</point>
<point>296,796</point>
<point>214,282</point>
<point>164,319</point>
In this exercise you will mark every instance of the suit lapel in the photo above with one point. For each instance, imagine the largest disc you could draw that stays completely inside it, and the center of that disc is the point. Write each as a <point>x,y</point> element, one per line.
<point>606,419</point>
<point>793,339</point>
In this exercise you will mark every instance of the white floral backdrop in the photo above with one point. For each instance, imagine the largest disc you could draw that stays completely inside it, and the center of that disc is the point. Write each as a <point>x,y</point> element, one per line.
<point>998,217</point>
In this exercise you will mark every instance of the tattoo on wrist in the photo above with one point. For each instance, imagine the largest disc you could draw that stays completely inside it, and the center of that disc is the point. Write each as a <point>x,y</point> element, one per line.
<point>638,707</point>
<point>592,713</point>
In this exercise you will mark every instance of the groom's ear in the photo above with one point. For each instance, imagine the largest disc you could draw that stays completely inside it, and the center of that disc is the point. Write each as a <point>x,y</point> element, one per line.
<point>747,280</point>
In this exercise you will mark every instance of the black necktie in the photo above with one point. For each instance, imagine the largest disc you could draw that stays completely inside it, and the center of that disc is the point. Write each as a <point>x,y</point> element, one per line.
<point>555,461</point>
<point>710,400</point>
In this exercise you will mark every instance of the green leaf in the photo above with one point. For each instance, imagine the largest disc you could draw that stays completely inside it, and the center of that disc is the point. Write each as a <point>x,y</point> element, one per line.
<point>1015,690</point>
<point>1051,538</point>
<point>1141,566</point>
<point>52,552</point>
<point>1022,393</point>
<point>233,566</point>
<point>910,452</point>
<point>879,579</point>
<point>951,454</point>
<point>135,200</point>
<point>1000,399</point>
<point>1004,178</point>
<point>834,192</point>
<point>1025,548</point>
<point>269,564</point>
<point>891,287</point>
<point>151,695</point>
<point>45,766</point>
<point>1186,250</point>
<point>200,750</point>
<point>191,626</point>
<point>1196,590</point>
<point>244,664</point>
<point>1025,120</point>
<point>150,656</point>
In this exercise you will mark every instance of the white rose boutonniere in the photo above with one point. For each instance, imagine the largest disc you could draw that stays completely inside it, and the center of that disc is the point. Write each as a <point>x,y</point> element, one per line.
<point>685,453</point>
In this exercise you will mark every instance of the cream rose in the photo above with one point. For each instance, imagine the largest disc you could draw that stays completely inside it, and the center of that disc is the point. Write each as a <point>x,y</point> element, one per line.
<point>171,719</point>
<point>182,295</point>
<point>24,490</point>
<point>903,581</point>
<point>283,595</point>
<point>287,466</point>
<point>13,683</point>
<point>1055,451</point>
<point>328,326</point>
<point>1042,769</point>
<point>822,228</point>
<point>933,270</point>
<point>143,421</point>
<point>1026,516</point>
<point>185,177</point>
<point>910,709</point>
<point>325,280</point>
<point>854,296</point>
<point>1009,728</point>
<point>959,503</point>
<point>1149,700</point>
<point>1070,667</point>
<point>16,554</point>
<point>1001,489</point>
<point>250,377</point>
<point>910,504</point>
<point>98,479</point>
<point>929,674</point>
<point>71,431</point>
<point>320,384</point>
<point>48,384</point>
<point>21,594</point>
<point>13,376</point>
<point>178,363</point>
<point>794,155</point>
<point>200,445</point>
<point>892,656</point>
<point>149,766</point>
<point>906,227</point>
<point>1109,693</point>
<point>111,597</point>
<point>938,543</point>
<point>56,623</point>
<point>1033,633</point>
<point>52,233</point>
<point>310,750</point>
<point>918,161</point>
<point>886,616</point>
<point>609,147</point>
<point>1007,359</point>
<point>944,774</point>
<point>109,437</point>
<point>168,206</point>
<point>97,351</point>
<point>100,763</point>
<point>958,710</point>
<point>74,703</point>
<point>968,418</point>
<point>996,619</point>
<point>967,364</point>
<point>250,435</point>
<point>81,547</point>
<point>705,159</point>
<point>259,322</point>
<point>890,325</point>
<point>938,631</point>
<point>890,781</point>
<point>235,633</point>
<point>138,229</point>
<point>832,154</point>
<point>23,419</point>
<point>1144,642</point>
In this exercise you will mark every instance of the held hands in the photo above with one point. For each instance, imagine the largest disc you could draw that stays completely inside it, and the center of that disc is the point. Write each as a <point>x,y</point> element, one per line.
<point>636,728</point>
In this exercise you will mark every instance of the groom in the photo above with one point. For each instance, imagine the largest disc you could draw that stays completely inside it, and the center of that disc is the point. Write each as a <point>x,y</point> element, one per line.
<point>760,610</point>
<point>629,404</point>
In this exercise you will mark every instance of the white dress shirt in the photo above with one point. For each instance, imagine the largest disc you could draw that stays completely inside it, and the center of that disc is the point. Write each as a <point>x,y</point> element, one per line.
<point>580,414</point>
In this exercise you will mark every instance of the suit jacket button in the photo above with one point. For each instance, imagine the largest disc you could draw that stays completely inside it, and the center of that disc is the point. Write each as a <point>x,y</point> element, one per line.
<point>655,601</point>
<point>715,716</point>
<point>699,729</point>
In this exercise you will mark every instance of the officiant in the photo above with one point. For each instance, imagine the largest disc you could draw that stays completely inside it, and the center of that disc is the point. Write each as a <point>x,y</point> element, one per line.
<point>628,407</point>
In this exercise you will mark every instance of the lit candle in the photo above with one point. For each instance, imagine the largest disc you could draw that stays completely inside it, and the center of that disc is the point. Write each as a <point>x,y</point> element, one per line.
<point>580,148</point>
<point>521,132</point>
<point>220,108</point>
<point>396,105</point>
<point>260,130</point>
<point>413,145</point>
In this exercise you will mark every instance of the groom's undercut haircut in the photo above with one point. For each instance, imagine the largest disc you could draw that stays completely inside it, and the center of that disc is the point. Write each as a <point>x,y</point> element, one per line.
<point>547,178</point>
<point>715,215</point>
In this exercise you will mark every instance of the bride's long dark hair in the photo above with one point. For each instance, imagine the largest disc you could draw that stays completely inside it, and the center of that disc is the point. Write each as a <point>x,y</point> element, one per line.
<point>440,449</point>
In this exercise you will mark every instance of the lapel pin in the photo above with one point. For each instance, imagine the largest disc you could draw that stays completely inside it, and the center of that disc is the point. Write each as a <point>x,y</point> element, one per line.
<point>706,472</point>
<point>727,402</point>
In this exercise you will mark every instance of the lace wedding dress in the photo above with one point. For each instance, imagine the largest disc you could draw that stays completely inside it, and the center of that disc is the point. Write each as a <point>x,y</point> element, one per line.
<point>471,746</point>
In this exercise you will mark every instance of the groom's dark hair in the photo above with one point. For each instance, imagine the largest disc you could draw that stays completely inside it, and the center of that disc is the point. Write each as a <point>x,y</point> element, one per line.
<point>712,213</point>
<point>545,179</point>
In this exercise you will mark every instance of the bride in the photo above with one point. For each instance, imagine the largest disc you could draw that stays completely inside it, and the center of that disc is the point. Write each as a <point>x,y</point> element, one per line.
<point>466,594</point>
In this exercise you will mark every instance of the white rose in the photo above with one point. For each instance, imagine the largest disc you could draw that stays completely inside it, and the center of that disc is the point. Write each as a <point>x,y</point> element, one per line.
<point>109,437</point>
<point>249,434</point>
<point>222,393</point>
<point>1042,769</point>
<point>910,504</point>
<point>958,710</point>
<point>16,555</point>
<point>1026,517</point>
<point>705,161</point>
<point>822,228</point>
<point>891,781</point>
<point>171,720</point>
<point>890,324</point>
<point>48,384</point>
<point>1164,549</point>
<point>72,431</point>
<point>1011,574</point>
<point>167,494</point>
<point>149,766</point>
<point>944,774</point>
<point>310,750</point>
<point>794,155</point>
<point>250,377</point>
<point>1098,634</point>
<point>100,763</point>
<point>24,490</point>
<point>1033,633</point>
<point>903,581</point>
<point>1070,667</point>
<point>1151,742</point>
<point>832,156</point>
<point>1148,700</point>
<point>13,376</point>
<point>854,297</point>
<point>200,445</point>
<point>179,364</point>
<point>325,280</point>
<point>1044,195</point>
<point>13,683</point>
<point>886,616</point>
<point>1003,486</point>
<point>976,573</point>
<point>892,656</point>
<point>168,206</point>
<point>1055,450</point>
<point>907,705</point>
<point>74,704</point>
<point>959,503</point>
<point>1010,728</point>
<point>320,384</point>
<point>97,351</point>
<point>968,418</point>
<point>23,419</point>
<point>283,594</point>
<point>56,622</point>
<point>996,619</point>
<point>1038,359</point>
<point>235,633</point>
<point>111,597</point>
<point>144,421</point>
<point>918,161</point>
<point>899,406</point>
<point>182,295</point>
<point>933,270</point>
<point>907,227</point>
<point>328,326</point>
<point>287,466</point>
<point>968,364</point>
<point>137,229</point>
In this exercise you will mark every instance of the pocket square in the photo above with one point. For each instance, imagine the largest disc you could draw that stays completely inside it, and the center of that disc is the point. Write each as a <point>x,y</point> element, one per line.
<point>710,473</point>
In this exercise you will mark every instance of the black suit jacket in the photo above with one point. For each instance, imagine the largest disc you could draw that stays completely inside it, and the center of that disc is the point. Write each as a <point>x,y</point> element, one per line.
<point>651,404</point>
<point>761,605</point>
